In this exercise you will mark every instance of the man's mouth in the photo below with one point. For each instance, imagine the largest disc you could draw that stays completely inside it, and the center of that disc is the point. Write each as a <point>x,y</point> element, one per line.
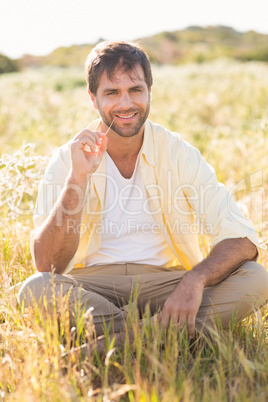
<point>126,116</point>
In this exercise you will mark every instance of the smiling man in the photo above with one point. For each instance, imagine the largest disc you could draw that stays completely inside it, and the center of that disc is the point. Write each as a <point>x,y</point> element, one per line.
<point>121,206</point>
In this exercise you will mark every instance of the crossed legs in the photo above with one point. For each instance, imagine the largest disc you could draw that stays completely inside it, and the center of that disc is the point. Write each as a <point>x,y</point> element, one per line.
<point>108,288</point>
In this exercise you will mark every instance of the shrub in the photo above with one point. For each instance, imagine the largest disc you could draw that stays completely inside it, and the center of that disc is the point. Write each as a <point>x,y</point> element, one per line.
<point>7,65</point>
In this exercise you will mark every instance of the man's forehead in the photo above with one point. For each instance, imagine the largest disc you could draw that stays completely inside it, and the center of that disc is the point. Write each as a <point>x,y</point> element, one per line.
<point>136,75</point>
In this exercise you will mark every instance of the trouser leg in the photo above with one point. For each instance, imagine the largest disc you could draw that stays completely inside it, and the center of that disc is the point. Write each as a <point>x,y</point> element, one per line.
<point>238,295</point>
<point>108,289</point>
<point>38,288</point>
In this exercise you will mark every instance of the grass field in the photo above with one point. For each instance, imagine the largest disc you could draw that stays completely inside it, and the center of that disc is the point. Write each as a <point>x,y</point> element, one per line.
<point>221,108</point>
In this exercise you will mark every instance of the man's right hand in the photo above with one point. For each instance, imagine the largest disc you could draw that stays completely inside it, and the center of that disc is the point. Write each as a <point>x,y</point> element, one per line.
<point>55,244</point>
<point>87,150</point>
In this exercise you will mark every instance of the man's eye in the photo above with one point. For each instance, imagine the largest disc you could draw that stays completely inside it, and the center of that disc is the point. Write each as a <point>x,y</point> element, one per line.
<point>112,93</point>
<point>136,90</point>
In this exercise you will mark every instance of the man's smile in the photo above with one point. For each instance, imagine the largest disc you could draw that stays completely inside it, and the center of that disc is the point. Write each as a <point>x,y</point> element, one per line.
<point>125,116</point>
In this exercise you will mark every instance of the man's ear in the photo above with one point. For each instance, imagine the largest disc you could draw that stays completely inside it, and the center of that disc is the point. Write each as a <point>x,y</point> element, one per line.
<point>93,100</point>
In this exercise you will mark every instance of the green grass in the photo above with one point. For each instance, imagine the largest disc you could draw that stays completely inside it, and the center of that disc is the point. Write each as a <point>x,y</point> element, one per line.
<point>220,107</point>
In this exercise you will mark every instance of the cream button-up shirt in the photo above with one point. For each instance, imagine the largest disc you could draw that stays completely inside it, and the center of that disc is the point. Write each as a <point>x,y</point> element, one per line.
<point>182,189</point>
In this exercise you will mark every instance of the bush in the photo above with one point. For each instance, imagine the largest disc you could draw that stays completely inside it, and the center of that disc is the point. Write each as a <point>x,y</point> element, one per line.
<point>7,65</point>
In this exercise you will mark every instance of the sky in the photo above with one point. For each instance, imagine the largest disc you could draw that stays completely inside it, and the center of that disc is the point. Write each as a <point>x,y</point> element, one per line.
<point>39,26</point>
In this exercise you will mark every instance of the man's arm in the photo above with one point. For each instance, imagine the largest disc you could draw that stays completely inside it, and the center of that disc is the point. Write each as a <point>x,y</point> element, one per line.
<point>56,242</point>
<point>184,302</point>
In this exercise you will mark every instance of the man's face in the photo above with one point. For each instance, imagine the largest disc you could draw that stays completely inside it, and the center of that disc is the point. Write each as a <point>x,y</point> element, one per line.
<point>125,99</point>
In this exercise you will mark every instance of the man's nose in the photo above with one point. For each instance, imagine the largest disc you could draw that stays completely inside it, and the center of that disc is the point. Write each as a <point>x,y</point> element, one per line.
<point>125,101</point>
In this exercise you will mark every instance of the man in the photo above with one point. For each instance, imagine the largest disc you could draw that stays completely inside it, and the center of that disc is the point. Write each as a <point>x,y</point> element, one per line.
<point>121,205</point>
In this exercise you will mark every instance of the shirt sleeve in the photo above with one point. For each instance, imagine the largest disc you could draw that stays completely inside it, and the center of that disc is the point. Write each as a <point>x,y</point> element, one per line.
<point>49,190</point>
<point>216,212</point>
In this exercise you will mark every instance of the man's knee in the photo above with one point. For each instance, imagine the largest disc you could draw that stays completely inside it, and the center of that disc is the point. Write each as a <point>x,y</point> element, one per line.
<point>36,288</point>
<point>257,277</point>
<point>239,295</point>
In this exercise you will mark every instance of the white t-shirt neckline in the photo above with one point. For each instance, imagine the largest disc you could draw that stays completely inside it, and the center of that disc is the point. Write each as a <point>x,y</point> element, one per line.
<point>129,231</point>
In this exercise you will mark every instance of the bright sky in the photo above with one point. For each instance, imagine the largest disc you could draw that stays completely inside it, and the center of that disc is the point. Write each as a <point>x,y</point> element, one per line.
<point>39,26</point>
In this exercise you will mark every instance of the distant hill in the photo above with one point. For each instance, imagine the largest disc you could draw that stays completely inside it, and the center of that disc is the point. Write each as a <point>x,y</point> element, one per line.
<point>62,56</point>
<point>7,65</point>
<point>193,44</point>
<point>202,44</point>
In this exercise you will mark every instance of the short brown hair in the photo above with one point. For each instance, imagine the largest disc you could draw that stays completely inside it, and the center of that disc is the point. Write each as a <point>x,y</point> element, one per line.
<point>107,56</point>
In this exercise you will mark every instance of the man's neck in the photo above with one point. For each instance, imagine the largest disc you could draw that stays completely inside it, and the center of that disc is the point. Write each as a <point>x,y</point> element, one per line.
<point>124,152</point>
<point>122,148</point>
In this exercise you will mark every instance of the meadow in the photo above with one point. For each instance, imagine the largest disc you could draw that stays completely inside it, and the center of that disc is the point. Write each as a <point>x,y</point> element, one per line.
<point>221,107</point>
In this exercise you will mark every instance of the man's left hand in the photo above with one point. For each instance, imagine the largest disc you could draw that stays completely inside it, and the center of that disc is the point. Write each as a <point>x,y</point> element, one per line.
<point>182,306</point>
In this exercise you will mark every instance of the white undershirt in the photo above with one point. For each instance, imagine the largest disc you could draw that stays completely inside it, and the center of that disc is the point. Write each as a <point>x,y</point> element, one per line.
<point>129,232</point>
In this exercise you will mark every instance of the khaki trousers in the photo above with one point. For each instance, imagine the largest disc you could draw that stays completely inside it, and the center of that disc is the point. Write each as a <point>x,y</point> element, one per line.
<point>108,289</point>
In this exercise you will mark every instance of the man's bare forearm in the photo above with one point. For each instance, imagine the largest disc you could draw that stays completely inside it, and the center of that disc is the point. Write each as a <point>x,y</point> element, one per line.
<point>57,241</point>
<point>224,259</point>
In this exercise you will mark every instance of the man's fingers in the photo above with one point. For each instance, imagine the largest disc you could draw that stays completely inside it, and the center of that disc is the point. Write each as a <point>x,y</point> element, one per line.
<point>103,146</point>
<point>191,326</point>
<point>87,143</point>
<point>164,318</point>
<point>96,136</point>
<point>181,321</point>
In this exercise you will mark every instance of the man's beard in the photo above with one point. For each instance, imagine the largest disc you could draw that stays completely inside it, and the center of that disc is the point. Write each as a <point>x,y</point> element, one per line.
<point>126,131</point>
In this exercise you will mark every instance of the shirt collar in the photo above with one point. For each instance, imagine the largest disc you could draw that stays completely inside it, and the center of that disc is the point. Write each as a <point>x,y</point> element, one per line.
<point>148,147</point>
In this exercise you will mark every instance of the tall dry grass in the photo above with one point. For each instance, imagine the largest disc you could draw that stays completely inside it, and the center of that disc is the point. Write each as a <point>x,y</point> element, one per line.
<point>222,108</point>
